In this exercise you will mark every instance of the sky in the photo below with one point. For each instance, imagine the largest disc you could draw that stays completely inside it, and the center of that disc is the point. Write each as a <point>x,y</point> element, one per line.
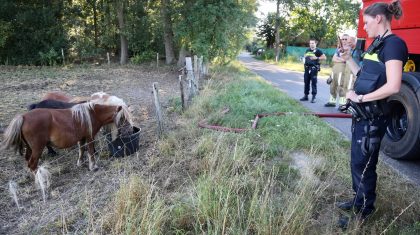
<point>265,7</point>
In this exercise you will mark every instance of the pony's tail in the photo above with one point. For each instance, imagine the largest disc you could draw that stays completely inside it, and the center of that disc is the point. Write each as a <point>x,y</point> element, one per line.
<point>42,180</point>
<point>32,106</point>
<point>13,192</point>
<point>13,135</point>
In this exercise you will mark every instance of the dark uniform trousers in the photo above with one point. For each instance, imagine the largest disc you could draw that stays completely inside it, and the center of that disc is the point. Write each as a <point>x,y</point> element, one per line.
<point>310,77</point>
<point>363,167</point>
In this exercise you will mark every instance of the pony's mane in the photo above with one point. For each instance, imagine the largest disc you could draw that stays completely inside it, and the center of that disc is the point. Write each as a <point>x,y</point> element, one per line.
<point>105,99</point>
<point>81,112</point>
<point>125,114</point>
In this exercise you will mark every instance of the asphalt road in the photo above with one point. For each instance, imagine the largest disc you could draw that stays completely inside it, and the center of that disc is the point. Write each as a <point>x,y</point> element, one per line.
<point>292,84</point>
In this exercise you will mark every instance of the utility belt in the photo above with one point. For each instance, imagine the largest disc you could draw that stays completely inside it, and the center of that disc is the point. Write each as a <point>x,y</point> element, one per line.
<point>313,66</point>
<point>366,111</point>
<point>370,112</point>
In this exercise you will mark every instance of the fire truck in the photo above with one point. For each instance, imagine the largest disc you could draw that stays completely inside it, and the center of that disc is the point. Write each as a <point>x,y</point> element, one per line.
<point>402,139</point>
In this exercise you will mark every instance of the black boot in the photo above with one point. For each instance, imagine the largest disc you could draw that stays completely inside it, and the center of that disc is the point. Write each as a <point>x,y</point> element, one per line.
<point>344,220</point>
<point>348,206</point>
<point>313,99</point>
<point>304,98</point>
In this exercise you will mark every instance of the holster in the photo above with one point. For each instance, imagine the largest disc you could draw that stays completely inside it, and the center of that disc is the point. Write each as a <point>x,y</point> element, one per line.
<point>368,111</point>
<point>365,111</point>
<point>371,139</point>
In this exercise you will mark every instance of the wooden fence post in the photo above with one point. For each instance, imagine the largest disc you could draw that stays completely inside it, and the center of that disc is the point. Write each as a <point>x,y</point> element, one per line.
<point>200,66</point>
<point>157,60</point>
<point>62,54</point>
<point>196,74</point>
<point>157,108</point>
<point>107,56</point>
<point>181,86</point>
<point>190,78</point>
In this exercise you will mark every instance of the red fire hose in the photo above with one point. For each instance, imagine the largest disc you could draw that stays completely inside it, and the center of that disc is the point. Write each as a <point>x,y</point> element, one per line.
<point>204,124</point>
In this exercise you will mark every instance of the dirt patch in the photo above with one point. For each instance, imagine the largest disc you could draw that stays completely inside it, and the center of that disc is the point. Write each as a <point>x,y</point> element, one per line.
<point>76,195</point>
<point>306,166</point>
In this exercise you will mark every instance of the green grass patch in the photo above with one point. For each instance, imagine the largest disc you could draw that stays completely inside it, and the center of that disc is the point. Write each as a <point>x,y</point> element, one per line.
<point>282,178</point>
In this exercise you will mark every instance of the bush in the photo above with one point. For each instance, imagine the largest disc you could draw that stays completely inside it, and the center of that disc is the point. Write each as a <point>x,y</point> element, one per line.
<point>85,50</point>
<point>291,58</point>
<point>143,57</point>
<point>269,54</point>
<point>51,57</point>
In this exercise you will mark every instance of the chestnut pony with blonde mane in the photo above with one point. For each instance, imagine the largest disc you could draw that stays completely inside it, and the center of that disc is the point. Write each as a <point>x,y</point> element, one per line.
<point>62,128</point>
<point>123,116</point>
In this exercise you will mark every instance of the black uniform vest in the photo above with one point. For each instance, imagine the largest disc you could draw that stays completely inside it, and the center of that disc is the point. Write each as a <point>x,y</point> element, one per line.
<point>371,77</point>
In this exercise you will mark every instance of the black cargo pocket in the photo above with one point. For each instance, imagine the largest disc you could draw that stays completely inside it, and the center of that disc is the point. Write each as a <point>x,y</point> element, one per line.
<point>366,83</point>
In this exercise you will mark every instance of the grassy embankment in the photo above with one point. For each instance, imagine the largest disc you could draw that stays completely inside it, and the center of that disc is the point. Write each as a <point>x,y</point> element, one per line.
<point>282,178</point>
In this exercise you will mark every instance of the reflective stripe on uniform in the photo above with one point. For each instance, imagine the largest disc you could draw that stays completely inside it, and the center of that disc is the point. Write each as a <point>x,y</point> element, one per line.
<point>373,57</point>
<point>309,53</point>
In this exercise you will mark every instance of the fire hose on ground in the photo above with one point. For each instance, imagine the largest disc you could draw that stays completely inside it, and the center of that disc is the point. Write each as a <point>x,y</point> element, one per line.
<point>204,123</point>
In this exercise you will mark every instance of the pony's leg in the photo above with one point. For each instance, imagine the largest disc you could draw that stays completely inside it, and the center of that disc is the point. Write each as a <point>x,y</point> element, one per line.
<point>34,159</point>
<point>51,151</point>
<point>28,153</point>
<point>81,144</point>
<point>91,154</point>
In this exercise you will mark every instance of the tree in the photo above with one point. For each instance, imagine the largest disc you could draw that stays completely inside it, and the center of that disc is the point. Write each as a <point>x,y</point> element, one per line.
<point>286,5</point>
<point>276,30</point>
<point>29,28</point>
<point>168,33</point>
<point>266,31</point>
<point>120,5</point>
<point>322,19</point>
<point>215,29</point>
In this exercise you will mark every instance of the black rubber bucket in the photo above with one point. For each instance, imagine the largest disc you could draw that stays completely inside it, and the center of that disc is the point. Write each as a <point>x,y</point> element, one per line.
<point>124,146</point>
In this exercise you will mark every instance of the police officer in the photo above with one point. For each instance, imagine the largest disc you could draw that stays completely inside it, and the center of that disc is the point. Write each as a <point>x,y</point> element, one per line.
<point>312,66</point>
<point>378,78</point>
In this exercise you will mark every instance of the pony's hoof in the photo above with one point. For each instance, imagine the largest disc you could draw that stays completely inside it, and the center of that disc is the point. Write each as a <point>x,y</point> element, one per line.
<point>52,154</point>
<point>94,168</point>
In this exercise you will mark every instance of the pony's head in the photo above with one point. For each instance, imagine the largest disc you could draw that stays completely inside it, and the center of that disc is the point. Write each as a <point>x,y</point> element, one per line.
<point>123,120</point>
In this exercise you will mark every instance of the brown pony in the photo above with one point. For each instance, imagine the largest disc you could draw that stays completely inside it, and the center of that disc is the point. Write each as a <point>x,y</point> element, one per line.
<point>61,96</point>
<point>62,128</point>
<point>100,98</point>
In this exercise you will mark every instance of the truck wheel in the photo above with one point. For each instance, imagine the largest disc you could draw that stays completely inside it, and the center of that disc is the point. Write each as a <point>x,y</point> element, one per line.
<point>402,140</point>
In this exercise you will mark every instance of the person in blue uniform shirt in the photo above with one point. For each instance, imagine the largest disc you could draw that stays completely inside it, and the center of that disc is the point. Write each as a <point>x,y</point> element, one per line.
<point>312,57</point>
<point>378,78</point>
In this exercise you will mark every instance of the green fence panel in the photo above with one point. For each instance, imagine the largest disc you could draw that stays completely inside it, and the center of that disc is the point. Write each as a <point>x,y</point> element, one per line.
<point>300,51</point>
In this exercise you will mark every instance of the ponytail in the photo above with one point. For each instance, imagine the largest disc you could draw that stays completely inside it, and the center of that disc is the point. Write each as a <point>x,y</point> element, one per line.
<point>395,9</point>
<point>387,10</point>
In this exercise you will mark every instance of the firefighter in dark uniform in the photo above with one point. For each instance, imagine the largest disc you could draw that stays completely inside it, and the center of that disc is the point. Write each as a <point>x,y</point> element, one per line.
<point>378,78</point>
<point>312,66</point>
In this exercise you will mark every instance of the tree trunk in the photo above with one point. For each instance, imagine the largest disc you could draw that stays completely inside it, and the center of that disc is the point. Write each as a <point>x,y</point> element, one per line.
<point>277,36</point>
<point>95,22</point>
<point>168,34</point>
<point>182,54</point>
<point>123,38</point>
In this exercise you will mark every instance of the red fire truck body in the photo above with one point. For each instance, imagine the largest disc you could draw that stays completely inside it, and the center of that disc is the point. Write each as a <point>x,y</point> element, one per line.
<point>407,27</point>
<point>402,140</point>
